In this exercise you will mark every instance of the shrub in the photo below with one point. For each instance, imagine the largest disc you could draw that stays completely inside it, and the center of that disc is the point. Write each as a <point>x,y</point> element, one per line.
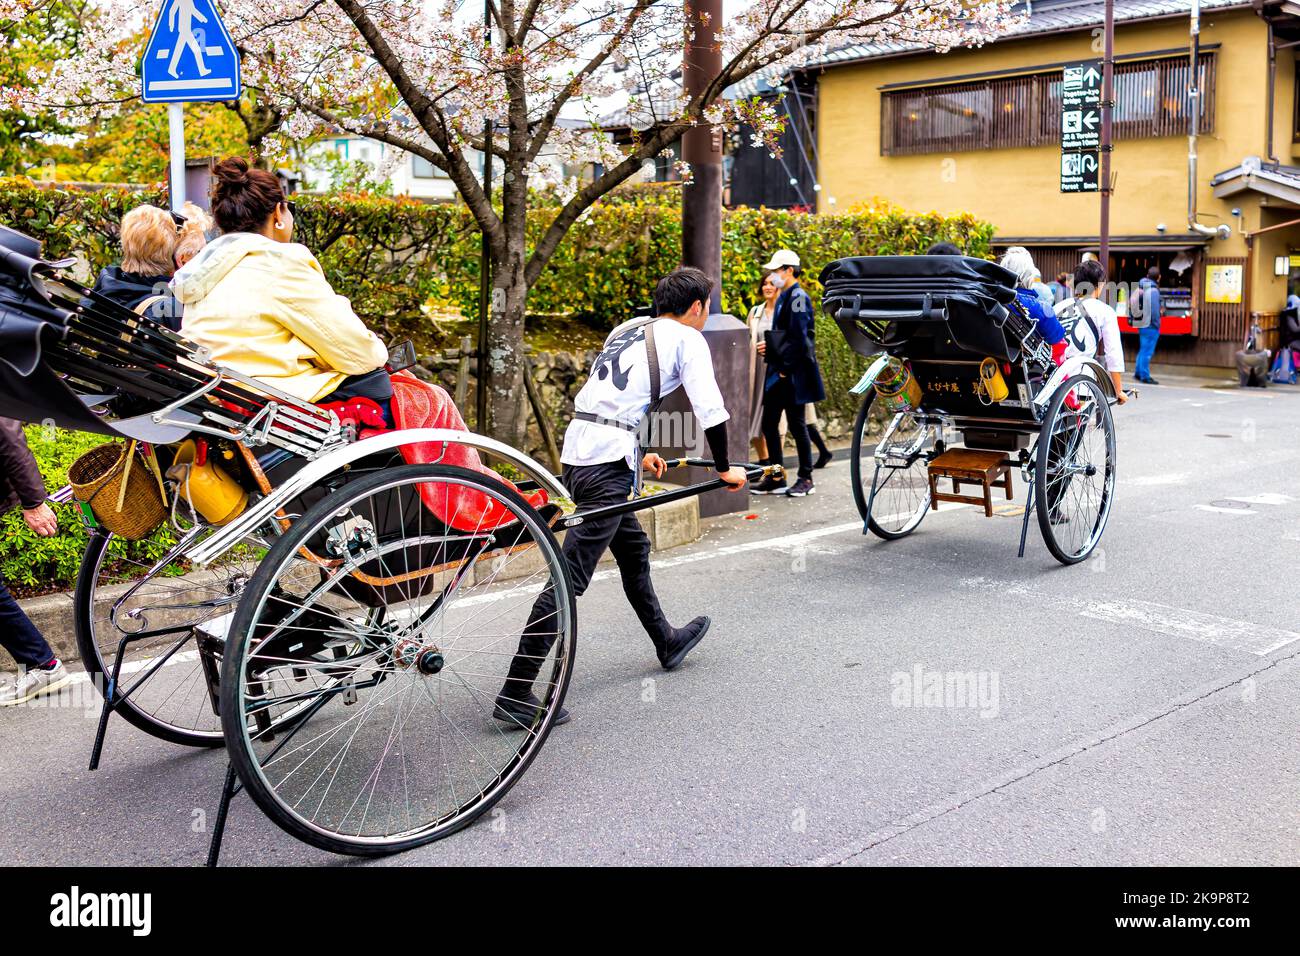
<point>45,564</point>
<point>392,255</point>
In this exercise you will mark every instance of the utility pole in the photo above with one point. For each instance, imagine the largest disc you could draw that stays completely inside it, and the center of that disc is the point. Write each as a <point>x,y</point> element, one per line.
<point>485,265</point>
<point>1107,116</point>
<point>702,149</point>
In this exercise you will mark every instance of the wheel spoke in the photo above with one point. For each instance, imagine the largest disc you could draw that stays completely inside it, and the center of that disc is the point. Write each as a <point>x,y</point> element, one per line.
<point>399,741</point>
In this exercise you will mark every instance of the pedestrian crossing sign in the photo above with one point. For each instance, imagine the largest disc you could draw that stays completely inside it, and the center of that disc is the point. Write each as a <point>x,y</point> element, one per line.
<point>190,56</point>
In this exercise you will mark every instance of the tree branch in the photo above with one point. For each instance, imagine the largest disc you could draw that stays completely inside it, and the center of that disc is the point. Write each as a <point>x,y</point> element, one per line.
<point>548,120</point>
<point>595,189</point>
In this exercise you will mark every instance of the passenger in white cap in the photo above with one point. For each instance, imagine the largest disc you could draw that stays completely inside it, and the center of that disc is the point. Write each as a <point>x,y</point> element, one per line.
<point>784,259</point>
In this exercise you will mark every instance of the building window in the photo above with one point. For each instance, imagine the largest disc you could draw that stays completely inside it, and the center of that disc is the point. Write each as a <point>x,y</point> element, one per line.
<point>421,168</point>
<point>1295,132</point>
<point>1002,112</point>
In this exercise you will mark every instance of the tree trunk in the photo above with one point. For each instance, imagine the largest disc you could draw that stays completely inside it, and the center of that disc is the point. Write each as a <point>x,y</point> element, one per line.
<point>506,396</point>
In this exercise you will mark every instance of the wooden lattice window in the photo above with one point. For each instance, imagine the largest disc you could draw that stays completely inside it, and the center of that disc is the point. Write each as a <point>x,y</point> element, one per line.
<point>1151,99</point>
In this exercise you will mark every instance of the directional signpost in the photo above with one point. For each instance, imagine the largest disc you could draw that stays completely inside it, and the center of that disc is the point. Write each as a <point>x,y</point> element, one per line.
<point>1081,127</point>
<point>190,57</point>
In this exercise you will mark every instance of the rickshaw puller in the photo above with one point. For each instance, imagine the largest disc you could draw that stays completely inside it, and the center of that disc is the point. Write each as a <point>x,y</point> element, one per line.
<point>600,458</point>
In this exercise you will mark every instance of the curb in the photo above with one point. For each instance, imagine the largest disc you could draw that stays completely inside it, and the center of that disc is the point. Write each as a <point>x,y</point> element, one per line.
<point>668,526</point>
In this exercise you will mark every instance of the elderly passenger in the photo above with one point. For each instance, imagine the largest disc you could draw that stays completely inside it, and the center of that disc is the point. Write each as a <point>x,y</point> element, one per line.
<point>149,236</point>
<point>1020,263</point>
<point>193,234</point>
<point>262,306</point>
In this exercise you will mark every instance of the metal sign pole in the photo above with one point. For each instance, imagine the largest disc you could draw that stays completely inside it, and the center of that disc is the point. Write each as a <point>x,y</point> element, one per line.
<point>176,146</point>
<point>1107,119</point>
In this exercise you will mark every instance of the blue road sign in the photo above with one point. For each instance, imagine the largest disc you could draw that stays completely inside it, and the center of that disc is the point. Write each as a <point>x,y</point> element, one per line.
<point>189,56</point>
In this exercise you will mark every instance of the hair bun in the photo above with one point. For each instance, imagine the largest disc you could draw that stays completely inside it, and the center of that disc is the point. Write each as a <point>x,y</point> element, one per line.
<point>232,171</point>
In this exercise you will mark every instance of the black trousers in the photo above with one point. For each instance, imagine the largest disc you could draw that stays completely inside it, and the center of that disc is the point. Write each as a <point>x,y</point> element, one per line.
<point>18,635</point>
<point>777,399</point>
<point>592,486</point>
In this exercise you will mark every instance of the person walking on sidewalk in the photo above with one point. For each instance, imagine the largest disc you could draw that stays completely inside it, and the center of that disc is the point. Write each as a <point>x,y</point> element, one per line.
<point>642,360</point>
<point>760,321</point>
<point>794,379</point>
<point>1148,295</point>
<point>21,484</point>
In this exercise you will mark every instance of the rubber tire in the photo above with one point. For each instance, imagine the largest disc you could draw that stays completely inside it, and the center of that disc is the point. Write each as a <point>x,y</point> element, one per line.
<point>234,730</point>
<point>855,472</point>
<point>1040,467</point>
<point>83,615</point>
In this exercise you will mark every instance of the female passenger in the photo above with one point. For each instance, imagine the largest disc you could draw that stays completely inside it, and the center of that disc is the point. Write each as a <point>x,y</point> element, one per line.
<point>261,304</point>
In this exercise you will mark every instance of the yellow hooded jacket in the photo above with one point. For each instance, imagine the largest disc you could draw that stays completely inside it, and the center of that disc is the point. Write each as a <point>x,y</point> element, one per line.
<point>264,308</point>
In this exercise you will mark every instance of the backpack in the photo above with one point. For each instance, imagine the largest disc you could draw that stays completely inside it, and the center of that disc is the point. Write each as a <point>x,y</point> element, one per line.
<point>1139,317</point>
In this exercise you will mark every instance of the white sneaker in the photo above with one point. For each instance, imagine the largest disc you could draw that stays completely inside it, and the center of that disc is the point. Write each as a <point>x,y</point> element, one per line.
<point>34,683</point>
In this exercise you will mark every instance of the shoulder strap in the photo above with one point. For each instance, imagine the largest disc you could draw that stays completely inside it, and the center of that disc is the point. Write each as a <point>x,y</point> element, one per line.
<point>652,357</point>
<point>652,354</point>
<point>144,307</point>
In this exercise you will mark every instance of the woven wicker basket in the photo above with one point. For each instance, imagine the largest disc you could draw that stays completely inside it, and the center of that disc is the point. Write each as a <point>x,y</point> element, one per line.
<point>126,500</point>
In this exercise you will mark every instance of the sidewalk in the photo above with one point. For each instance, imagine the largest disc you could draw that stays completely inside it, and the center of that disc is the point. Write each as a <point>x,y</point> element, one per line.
<point>1199,376</point>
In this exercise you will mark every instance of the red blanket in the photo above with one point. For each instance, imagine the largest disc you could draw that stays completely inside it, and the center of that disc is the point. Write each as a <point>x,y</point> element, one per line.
<point>418,404</point>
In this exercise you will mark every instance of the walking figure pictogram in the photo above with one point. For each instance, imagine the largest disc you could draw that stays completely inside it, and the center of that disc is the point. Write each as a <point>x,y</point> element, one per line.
<point>184,12</point>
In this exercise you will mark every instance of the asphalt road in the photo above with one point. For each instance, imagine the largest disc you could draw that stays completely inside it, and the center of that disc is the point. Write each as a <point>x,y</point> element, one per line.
<point>1140,708</point>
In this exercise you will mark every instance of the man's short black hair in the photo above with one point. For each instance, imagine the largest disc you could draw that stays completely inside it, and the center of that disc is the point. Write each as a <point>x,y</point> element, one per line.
<point>943,249</point>
<point>1154,273</point>
<point>676,292</point>
<point>1088,276</point>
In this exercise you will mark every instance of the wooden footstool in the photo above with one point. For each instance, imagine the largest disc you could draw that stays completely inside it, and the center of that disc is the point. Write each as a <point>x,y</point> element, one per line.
<point>965,466</point>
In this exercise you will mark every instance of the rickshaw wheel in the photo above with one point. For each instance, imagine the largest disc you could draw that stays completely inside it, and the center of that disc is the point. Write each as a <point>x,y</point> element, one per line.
<point>174,703</point>
<point>1074,470</point>
<point>396,743</point>
<point>901,496</point>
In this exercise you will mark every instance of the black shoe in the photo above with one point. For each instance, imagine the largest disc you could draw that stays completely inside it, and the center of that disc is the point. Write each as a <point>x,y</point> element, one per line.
<point>825,458</point>
<point>1150,381</point>
<point>680,644</point>
<point>801,488</point>
<point>769,486</point>
<point>522,714</point>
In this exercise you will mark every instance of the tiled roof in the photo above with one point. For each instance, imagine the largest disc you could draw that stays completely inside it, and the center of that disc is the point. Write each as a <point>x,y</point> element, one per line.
<point>1045,16</point>
<point>1251,166</point>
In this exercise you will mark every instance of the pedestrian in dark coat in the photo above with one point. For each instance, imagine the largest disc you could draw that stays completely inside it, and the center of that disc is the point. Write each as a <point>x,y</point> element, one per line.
<point>794,379</point>
<point>21,486</point>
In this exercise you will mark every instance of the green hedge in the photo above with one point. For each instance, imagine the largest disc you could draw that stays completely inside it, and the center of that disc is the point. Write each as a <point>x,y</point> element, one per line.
<point>44,564</point>
<point>393,256</point>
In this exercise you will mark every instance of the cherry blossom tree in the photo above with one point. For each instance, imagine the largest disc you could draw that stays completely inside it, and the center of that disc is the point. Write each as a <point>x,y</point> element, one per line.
<point>427,77</point>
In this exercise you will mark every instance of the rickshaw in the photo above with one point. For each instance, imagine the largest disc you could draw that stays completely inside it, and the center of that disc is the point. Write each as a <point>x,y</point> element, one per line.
<point>957,364</point>
<point>343,622</point>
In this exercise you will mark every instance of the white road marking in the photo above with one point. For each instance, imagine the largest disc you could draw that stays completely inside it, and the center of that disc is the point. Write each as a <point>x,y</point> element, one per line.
<point>1268,498</point>
<point>1193,625</point>
<point>1226,511</point>
<point>134,667</point>
<point>1155,480</point>
<point>1161,618</point>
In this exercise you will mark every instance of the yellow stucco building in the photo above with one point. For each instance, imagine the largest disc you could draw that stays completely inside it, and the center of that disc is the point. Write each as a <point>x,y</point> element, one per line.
<point>978,130</point>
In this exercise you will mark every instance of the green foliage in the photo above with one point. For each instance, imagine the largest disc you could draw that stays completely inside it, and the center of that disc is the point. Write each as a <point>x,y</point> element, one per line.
<point>70,221</point>
<point>48,33</point>
<point>51,563</point>
<point>341,175</point>
<point>393,256</point>
<point>132,146</point>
